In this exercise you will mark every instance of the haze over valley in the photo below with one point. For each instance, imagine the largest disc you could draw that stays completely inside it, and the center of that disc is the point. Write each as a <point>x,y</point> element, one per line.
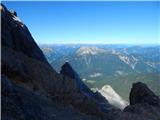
<point>118,65</point>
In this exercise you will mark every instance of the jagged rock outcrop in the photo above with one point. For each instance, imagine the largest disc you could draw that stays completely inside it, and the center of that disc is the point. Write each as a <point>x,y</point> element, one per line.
<point>24,65</point>
<point>32,90</point>
<point>140,93</point>
<point>68,71</point>
<point>144,104</point>
<point>19,103</point>
<point>103,104</point>
<point>16,35</point>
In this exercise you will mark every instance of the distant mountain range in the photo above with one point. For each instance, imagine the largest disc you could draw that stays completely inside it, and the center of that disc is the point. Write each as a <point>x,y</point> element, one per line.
<point>102,64</point>
<point>104,59</point>
<point>33,90</point>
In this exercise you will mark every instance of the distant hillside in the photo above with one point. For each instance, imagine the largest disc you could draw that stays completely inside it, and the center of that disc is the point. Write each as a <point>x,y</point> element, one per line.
<point>90,60</point>
<point>33,90</point>
<point>109,64</point>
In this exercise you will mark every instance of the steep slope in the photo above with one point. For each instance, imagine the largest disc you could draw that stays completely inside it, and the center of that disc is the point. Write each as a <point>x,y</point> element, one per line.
<point>20,103</point>
<point>90,60</point>
<point>118,67</point>
<point>32,90</point>
<point>103,104</point>
<point>144,104</point>
<point>24,65</point>
<point>15,35</point>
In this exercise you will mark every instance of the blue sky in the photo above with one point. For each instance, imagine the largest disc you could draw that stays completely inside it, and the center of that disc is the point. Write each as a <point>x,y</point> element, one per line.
<point>90,22</point>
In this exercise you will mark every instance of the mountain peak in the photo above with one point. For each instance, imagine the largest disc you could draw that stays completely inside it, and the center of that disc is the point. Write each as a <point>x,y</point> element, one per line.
<point>16,35</point>
<point>68,70</point>
<point>32,90</point>
<point>85,50</point>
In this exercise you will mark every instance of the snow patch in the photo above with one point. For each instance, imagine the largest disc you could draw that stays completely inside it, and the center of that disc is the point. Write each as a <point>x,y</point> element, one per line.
<point>131,61</point>
<point>95,75</point>
<point>113,97</point>
<point>88,50</point>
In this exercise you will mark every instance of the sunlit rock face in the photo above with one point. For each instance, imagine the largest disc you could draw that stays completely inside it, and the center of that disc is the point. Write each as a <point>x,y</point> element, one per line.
<point>113,97</point>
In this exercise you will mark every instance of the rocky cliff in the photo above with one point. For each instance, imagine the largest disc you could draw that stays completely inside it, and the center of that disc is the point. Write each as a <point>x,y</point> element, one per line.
<point>25,69</point>
<point>32,90</point>
<point>101,102</point>
<point>144,104</point>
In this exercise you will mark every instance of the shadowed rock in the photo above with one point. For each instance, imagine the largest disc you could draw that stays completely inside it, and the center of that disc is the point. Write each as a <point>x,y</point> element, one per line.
<point>140,93</point>
<point>144,104</point>
<point>68,71</point>
<point>16,35</point>
<point>24,65</point>
<point>32,90</point>
<point>19,103</point>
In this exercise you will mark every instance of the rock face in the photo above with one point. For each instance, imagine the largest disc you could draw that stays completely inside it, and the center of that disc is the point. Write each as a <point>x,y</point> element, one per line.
<point>144,104</point>
<point>19,103</point>
<point>140,93</point>
<point>32,90</point>
<point>113,97</point>
<point>15,35</point>
<point>28,76</point>
<point>103,104</point>
<point>68,71</point>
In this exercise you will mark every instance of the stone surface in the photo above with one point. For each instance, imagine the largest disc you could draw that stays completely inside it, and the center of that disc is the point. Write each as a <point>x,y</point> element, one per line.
<point>140,93</point>
<point>144,104</point>
<point>32,90</point>
<point>68,71</point>
<point>23,104</point>
<point>16,35</point>
<point>24,64</point>
<point>103,104</point>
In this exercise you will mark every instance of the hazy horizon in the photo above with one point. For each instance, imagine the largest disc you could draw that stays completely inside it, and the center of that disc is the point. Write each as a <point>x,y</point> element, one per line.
<point>90,22</point>
<point>155,44</point>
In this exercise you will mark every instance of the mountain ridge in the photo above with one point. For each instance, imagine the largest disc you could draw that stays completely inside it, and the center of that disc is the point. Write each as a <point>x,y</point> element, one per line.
<point>33,72</point>
<point>120,63</point>
<point>33,90</point>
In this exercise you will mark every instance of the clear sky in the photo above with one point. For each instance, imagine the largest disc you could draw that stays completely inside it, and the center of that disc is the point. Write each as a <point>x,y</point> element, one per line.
<point>90,22</point>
